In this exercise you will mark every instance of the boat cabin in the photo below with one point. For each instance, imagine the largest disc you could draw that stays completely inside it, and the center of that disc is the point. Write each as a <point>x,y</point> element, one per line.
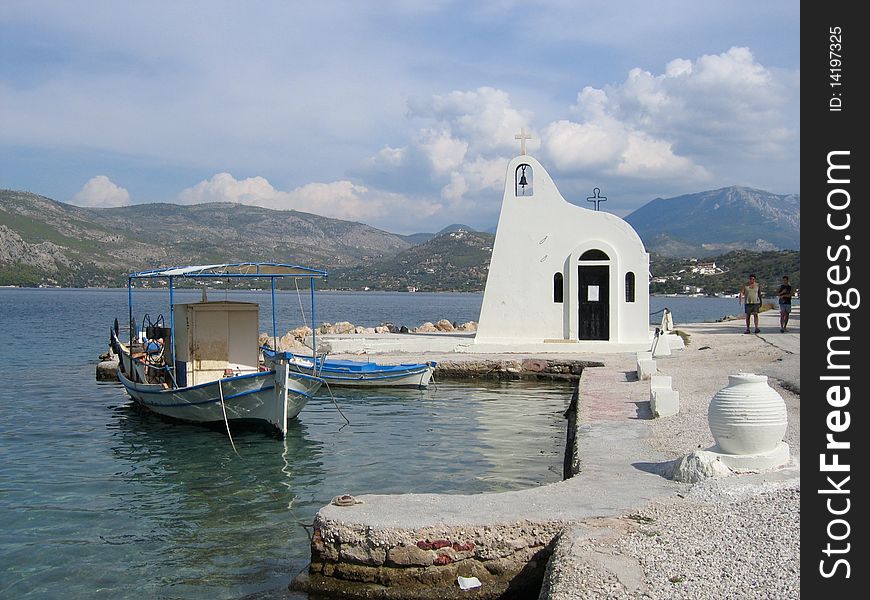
<point>214,340</point>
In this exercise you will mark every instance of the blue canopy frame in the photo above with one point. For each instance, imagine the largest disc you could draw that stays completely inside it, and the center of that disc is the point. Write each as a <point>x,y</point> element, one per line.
<point>244,270</point>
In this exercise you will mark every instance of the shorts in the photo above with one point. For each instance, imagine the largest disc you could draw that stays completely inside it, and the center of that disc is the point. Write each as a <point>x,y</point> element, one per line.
<point>752,309</point>
<point>785,308</point>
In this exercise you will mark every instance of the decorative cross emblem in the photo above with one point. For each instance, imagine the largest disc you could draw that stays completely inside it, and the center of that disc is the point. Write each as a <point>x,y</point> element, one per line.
<point>522,136</point>
<point>596,197</point>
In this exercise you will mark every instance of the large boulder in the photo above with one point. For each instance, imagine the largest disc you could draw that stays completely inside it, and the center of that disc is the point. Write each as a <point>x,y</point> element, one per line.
<point>444,325</point>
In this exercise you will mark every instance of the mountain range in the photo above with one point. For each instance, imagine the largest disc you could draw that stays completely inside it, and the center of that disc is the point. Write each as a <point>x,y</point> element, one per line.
<point>45,242</point>
<point>719,221</point>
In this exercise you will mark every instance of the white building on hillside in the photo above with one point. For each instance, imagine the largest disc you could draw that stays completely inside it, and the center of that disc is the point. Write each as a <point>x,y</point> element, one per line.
<point>706,268</point>
<point>562,278</point>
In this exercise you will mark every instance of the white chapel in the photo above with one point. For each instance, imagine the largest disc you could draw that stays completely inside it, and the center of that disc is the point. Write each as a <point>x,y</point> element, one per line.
<point>562,278</point>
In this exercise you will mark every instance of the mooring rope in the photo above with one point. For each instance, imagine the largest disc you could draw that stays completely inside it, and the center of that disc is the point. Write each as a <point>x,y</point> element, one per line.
<point>337,407</point>
<point>301,308</point>
<point>226,420</point>
<point>432,379</point>
<point>655,342</point>
<point>345,500</point>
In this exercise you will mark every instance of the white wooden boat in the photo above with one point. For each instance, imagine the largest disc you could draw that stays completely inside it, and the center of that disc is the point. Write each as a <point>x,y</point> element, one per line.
<point>352,373</point>
<point>205,366</point>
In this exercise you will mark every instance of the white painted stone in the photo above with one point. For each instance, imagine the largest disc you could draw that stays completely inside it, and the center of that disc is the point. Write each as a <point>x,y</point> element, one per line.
<point>760,461</point>
<point>665,402</point>
<point>698,466</point>
<point>675,342</point>
<point>643,356</point>
<point>667,324</point>
<point>660,381</point>
<point>747,416</point>
<point>646,368</point>
<point>540,238</point>
<point>660,346</point>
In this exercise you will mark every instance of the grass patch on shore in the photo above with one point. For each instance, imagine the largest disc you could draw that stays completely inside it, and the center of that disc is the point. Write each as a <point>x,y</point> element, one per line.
<point>686,337</point>
<point>641,519</point>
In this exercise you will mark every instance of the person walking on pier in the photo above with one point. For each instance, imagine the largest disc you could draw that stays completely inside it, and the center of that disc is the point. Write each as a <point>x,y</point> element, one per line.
<point>750,297</point>
<point>785,293</point>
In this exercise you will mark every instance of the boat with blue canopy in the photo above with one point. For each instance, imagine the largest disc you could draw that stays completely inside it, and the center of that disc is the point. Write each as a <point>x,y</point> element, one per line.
<point>203,362</point>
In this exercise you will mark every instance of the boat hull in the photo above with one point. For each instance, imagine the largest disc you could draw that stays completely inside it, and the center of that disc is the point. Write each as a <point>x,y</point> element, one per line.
<point>412,378</point>
<point>272,396</point>
<point>348,373</point>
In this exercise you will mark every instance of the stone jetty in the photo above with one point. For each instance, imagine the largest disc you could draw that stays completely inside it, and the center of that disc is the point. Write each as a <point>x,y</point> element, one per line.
<point>619,525</point>
<point>107,368</point>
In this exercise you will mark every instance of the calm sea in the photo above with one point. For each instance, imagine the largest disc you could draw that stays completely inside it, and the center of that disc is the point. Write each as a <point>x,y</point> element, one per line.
<point>100,500</point>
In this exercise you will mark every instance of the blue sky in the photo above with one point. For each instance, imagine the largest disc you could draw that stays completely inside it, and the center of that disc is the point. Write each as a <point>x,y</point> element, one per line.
<point>399,114</point>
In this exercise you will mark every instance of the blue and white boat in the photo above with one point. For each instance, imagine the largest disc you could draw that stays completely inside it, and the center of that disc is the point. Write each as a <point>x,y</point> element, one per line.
<point>353,373</point>
<point>203,364</point>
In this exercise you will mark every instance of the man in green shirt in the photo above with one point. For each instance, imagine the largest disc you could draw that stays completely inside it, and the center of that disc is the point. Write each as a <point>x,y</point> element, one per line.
<point>750,297</point>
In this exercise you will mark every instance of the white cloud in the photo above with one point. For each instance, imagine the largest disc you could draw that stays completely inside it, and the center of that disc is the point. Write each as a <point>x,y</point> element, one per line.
<point>340,199</point>
<point>718,105</point>
<point>689,126</point>
<point>678,67</point>
<point>463,142</point>
<point>485,174</point>
<point>223,187</point>
<point>444,152</point>
<point>582,146</point>
<point>671,127</point>
<point>679,124</point>
<point>609,147</point>
<point>217,92</point>
<point>390,157</point>
<point>648,158</point>
<point>457,187</point>
<point>100,192</point>
<point>484,117</point>
<point>476,176</point>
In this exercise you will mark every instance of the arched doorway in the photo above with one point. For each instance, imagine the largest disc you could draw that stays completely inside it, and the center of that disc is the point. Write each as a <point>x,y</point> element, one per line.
<point>594,295</point>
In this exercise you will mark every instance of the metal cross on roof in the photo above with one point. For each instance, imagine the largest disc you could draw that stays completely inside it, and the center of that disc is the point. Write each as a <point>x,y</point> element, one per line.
<point>596,197</point>
<point>522,136</point>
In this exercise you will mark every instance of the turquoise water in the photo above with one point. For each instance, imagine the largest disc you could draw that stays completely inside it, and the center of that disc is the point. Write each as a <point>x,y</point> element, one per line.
<point>99,500</point>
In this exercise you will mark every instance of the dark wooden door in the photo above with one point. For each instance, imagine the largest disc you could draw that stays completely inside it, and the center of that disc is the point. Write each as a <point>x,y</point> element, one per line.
<point>594,302</point>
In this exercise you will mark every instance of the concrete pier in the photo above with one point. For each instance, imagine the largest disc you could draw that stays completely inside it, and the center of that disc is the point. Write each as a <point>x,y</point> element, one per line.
<point>515,543</point>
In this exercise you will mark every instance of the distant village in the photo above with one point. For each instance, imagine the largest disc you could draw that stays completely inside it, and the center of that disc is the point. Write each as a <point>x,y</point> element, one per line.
<point>707,278</point>
<point>694,268</point>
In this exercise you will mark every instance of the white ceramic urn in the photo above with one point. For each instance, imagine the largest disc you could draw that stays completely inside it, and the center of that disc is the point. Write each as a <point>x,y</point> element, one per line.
<point>747,416</point>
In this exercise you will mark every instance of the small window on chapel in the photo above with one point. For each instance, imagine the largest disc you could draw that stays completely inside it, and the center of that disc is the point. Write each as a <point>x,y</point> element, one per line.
<point>629,287</point>
<point>524,180</point>
<point>558,287</point>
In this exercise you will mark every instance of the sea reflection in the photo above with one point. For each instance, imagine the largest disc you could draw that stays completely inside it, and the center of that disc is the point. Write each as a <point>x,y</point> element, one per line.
<point>455,437</point>
<point>217,520</point>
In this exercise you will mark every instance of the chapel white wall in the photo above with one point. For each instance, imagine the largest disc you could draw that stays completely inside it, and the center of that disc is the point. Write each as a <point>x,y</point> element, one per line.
<point>542,234</point>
